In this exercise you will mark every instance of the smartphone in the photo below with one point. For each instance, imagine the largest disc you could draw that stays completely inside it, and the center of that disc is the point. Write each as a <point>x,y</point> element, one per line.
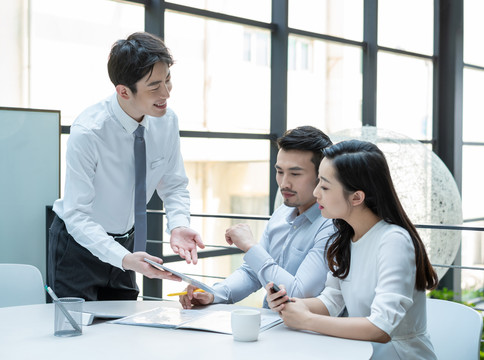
<point>275,289</point>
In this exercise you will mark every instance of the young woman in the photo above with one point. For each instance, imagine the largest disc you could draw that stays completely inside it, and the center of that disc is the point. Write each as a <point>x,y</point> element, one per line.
<point>380,269</point>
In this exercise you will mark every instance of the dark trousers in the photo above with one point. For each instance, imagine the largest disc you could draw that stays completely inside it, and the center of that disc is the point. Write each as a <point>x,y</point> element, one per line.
<point>75,271</point>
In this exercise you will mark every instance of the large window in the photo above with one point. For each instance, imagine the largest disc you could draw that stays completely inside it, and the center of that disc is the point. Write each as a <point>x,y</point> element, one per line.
<point>324,85</point>
<point>69,45</point>
<point>221,76</point>
<point>405,95</point>
<point>339,18</point>
<point>343,57</point>
<point>473,148</point>
<point>405,90</point>
<point>406,25</point>
<point>221,84</point>
<point>251,9</point>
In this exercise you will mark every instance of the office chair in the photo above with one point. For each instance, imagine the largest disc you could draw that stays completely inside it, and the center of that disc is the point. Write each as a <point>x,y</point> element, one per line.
<point>21,284</point>
<point>455,330</point>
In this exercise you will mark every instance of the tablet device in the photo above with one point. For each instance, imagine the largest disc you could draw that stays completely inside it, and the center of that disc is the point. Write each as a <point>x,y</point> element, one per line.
<point>185,278</point>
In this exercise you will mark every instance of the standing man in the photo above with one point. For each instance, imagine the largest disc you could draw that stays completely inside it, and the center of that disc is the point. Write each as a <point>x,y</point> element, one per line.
<point>291,251</point>
<point>119,152</point>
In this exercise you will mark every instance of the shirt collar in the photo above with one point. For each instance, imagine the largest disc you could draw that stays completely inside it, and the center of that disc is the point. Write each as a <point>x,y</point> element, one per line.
<point>128,123</point>
<point>312,214</point>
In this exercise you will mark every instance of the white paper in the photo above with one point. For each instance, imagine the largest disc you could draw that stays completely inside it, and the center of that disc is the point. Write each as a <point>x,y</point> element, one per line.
<point>205,319</point>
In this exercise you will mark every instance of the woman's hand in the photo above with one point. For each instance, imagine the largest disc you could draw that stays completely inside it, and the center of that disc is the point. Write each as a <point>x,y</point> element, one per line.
<point>276,300</point>
<point>296,314</point>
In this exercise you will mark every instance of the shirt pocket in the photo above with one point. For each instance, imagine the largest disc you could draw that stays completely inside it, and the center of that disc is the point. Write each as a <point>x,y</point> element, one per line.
<point>156,169</point>
<point>157,162</point>
<point>294,258</point>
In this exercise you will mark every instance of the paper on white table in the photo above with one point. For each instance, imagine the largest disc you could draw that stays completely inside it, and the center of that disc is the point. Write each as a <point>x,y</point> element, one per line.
<point>205,319</point>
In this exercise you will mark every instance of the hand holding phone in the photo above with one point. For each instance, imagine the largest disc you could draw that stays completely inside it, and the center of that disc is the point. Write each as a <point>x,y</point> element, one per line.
<point>275,289</point>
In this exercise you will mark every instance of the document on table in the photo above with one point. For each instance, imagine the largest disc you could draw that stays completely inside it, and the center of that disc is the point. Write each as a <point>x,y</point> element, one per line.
<point>204,319</point>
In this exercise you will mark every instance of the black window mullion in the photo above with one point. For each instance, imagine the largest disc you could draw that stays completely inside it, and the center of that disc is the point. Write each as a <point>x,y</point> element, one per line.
<point>370,53</point>
<point>279,49</point>
<point>448,102</point>
<point>155,17</point>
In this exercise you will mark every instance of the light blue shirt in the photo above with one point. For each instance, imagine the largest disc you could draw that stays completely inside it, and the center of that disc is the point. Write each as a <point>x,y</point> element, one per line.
<point>291,252</point>
<point>99,186</point>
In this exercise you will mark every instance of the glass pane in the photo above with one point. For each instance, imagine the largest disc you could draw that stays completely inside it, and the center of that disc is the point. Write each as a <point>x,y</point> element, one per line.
<point>472,175</point>
<point>473,30</point>
<point>404,99</point>
<point>473,255</point>
<point>228,176</point>
<point>473,106</point>
<point>69,48</point>
<point>341,18</point>
<point>406,25</point>
<point>252,9</point>
<point>14,58</point>
<point>324,85</point>
<point>221,74</point>
<point>232,181</point>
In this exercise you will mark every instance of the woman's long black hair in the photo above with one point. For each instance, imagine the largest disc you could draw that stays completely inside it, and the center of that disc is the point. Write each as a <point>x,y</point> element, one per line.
<point>361,165</point>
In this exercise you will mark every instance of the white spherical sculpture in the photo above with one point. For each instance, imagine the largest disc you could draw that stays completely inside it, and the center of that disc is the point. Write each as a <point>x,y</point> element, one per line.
<point>425,186</point>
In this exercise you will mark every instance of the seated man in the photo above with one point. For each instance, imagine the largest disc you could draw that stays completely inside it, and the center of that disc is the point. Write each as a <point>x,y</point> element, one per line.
<point>292,249</point>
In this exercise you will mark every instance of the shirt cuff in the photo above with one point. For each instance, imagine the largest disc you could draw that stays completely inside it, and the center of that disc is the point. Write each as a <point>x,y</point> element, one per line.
<point>118,255</point>
<point>177,222</point>
<point>221,292</point>
<point>256,257</point>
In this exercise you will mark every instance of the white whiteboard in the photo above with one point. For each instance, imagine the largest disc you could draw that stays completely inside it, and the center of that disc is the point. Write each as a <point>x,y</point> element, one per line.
<point>29,181</point>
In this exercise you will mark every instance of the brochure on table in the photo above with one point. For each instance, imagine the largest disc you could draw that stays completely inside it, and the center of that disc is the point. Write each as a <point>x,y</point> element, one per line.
<point>204,319</point>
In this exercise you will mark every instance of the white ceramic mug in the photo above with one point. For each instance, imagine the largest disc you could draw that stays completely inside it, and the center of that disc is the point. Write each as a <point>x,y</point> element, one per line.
<point>245,324</point>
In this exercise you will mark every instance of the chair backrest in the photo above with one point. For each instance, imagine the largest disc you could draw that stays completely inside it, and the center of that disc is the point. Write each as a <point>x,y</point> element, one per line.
<point>21,284</point>
<point>455,330</point>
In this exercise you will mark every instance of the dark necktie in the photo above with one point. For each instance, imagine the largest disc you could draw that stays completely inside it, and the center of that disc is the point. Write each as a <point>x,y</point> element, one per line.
<point>140,223</point>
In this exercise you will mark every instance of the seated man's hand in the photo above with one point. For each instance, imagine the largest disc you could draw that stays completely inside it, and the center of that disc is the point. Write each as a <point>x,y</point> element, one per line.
<point>276,300</point>
<point>195,298</point>
<point>184,242</point>
<point>241,236</point>
<point>136,262</point>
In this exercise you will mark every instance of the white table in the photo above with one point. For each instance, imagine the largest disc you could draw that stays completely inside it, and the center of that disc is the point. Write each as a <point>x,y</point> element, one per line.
<point>26,332</point>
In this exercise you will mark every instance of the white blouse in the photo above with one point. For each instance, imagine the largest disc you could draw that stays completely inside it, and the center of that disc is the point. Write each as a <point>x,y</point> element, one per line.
<point>381,287</point>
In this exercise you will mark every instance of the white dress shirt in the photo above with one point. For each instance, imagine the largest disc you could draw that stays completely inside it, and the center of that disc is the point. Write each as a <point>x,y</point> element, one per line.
<point>290,252</point>
<point>381,287</point>
<point>100,176</point>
